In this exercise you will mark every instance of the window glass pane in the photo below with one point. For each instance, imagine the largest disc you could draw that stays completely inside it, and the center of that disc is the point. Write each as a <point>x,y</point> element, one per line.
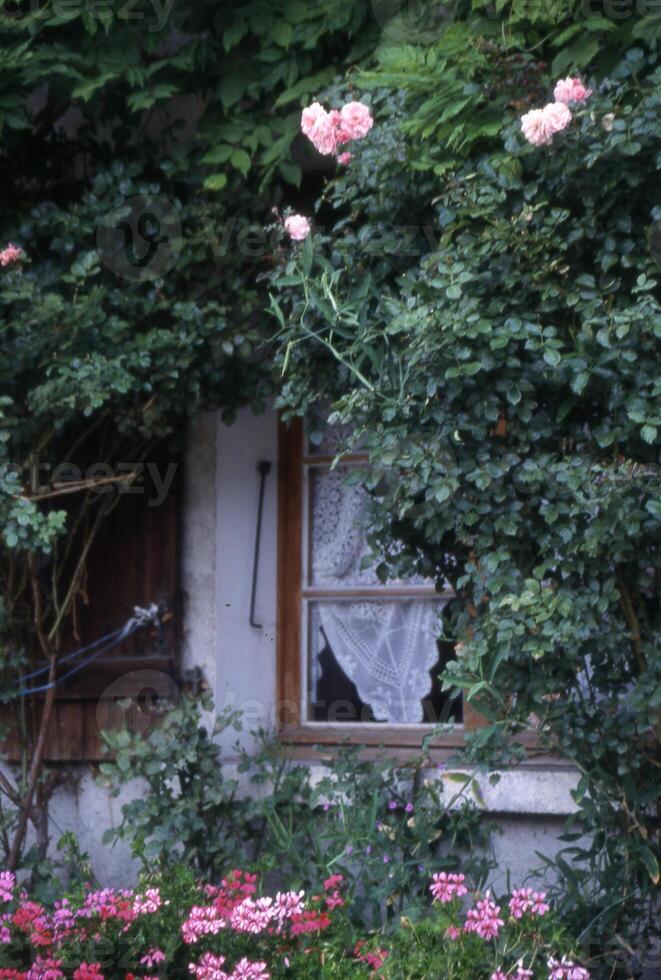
<point>334,440</point>
<point>376,660</point>
<point>337,542</point>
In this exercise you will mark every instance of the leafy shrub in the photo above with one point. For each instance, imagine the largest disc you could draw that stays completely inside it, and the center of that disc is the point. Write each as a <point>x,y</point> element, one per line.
<point>490,332</point>
<point>382,825</point>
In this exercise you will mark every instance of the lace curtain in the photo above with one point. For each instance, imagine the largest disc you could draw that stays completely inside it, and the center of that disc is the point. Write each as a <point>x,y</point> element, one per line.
<point>387,647</point>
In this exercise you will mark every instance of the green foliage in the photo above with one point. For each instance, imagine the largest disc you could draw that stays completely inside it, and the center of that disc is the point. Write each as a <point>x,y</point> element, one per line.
<point>529,941</point>
<point>294,825</point>
<point>457,80</point>
<point>144,146</point>
<point>490,332</point>
<point>127,67</point>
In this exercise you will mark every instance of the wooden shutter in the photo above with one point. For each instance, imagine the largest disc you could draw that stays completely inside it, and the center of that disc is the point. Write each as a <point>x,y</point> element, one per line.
<point>133,562</point>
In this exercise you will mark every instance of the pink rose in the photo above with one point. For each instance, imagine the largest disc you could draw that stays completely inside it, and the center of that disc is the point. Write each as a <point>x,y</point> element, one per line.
<point>540,125</point>
<point>310,116</point>
<point>571,90</point>
<point>336,119</point>
<point>319,128</point>
<point>556,117</point>
<point>10,254</point>
<point>344,158</point>
<point>356,120</point>
<point>533,127</point>
<point>297,226</point>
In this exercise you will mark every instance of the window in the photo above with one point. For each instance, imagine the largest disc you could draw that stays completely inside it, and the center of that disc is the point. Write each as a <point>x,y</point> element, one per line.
<point>355,657</point>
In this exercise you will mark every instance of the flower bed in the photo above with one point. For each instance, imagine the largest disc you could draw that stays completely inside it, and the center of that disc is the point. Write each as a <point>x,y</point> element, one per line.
<point>174,927</point>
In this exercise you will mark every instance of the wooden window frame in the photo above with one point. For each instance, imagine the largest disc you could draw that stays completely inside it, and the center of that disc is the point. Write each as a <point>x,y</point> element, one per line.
<point>302,734</point>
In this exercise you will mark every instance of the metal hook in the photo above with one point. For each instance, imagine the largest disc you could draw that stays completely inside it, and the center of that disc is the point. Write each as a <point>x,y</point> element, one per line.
<point>263,468</point>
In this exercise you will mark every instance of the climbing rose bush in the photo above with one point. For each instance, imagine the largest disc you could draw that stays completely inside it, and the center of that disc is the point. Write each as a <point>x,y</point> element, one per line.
<point>175,926</point>
<point>539,126</point>
<point>489,336</point>
<point>327,131</point>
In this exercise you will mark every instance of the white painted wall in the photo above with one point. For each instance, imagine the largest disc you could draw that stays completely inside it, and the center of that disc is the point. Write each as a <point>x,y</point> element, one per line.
<point>221,490</point>
<point>245,661</point>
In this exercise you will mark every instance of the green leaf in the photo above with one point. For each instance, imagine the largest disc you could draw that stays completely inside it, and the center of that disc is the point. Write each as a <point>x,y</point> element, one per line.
<point>651,863</point>
<point>241,161</point>
<point>579,381</point>
<point>282,33</point>
<point>215,182</point>
<point>231,88</point>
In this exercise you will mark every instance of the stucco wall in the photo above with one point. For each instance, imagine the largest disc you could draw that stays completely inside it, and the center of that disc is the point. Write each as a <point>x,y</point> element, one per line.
<point>221,490</point>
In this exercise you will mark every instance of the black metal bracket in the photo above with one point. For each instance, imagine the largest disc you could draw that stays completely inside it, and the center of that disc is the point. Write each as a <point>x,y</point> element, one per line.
<point>263,468</point>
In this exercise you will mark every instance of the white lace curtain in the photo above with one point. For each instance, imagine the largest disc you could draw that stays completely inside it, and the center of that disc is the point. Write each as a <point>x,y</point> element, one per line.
<point>387,647</point>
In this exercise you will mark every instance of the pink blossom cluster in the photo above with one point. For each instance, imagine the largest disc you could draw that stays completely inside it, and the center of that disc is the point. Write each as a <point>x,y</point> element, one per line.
<point>447,886</point>
<point>484,919</point>
<point>148,903</point>
<point>329,131</point>
<point>521,973</point>
<point>374,958</point>
<point>571,90</point>
<point>565,969</point>
<point>210,967</point>
<point>539,126</point>
<point>7,883</point>
<point>526,900</point>
<point>234,907</point>
<point>8,256</point>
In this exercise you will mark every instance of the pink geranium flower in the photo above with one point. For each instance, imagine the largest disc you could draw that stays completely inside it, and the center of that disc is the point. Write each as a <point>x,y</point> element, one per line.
<point>7,878</point>
<point>356,120</point>
<point>344,158</point>
<point>565,969</point>
<point>445,887</point>
<point>571,90</point>
<point>526,900</point>
<point>148,903</point>
<point>484,919</point>
<point>88,971</point>
<point>152,957</point>
<point>298,227</point>
<point>209,968</point>
<point>247,970</point>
